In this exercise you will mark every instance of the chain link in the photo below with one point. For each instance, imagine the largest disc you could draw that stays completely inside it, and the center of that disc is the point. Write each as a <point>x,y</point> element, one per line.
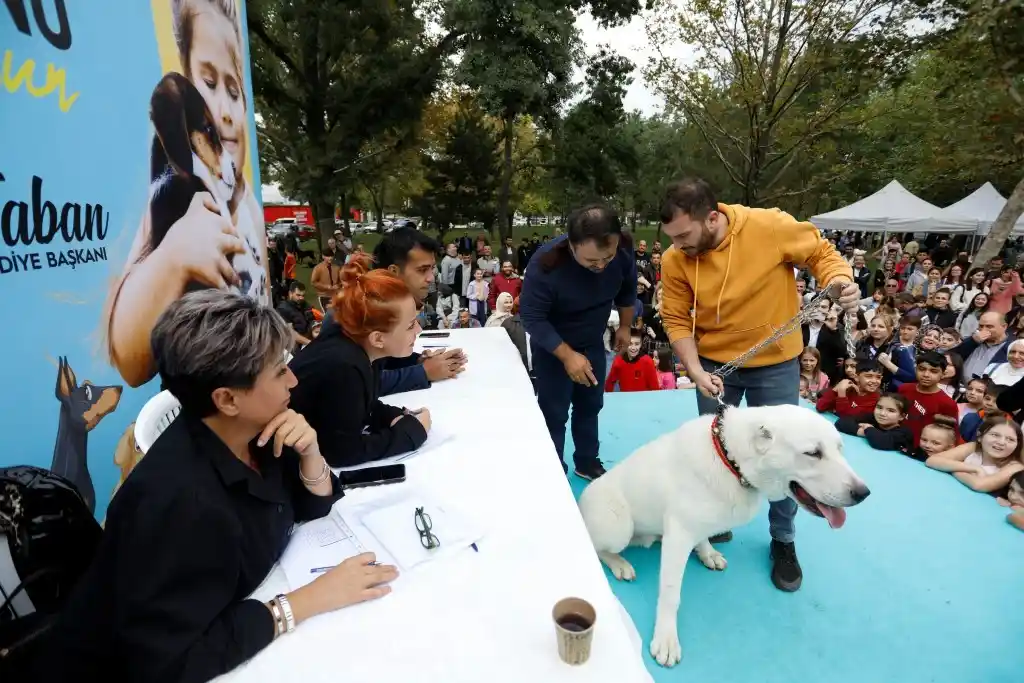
<point>803,316</point>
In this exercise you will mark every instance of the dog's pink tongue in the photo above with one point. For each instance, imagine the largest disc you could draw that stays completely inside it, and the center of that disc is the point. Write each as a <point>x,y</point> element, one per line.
<point>836,517</point>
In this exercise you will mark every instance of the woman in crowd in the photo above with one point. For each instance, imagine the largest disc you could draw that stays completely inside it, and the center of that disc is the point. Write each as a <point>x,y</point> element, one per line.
<point>973,285</point>
<point>206,514</point>
<point>339,378</point>
<point>1009,373</point>
<point>885,273</point>
<point>967,323</point>
<point>878,337</point>
<point>930,285</point>
<point>954,279</point>
<point>503,310</point>
<point>951,376</point>
<point>988,463</point>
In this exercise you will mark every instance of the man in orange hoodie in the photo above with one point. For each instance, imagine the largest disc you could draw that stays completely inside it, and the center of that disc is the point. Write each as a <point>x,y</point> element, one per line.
<point>728,284</point>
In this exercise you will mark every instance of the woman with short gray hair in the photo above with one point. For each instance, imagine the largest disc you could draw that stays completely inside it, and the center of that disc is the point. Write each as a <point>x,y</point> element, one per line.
<point>207,513</point>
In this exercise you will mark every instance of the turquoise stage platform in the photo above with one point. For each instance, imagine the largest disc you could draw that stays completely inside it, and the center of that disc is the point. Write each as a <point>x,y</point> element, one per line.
<point>924,583</point>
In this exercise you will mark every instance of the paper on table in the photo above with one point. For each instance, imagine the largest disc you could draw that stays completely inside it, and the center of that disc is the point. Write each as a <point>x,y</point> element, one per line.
<point>325,542</point>
<point>394,527</point>
<point>437,436</point>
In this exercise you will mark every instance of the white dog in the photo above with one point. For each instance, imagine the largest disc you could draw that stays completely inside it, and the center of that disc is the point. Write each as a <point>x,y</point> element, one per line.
<point>692,483</point>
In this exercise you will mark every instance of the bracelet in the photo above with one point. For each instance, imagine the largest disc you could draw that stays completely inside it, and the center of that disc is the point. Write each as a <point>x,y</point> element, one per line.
<point>289,616</point>
<point>279,622</point>
<point>324,474</point>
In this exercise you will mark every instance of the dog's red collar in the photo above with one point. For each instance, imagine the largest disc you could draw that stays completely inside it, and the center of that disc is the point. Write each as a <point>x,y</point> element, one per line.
<point>730,464</point>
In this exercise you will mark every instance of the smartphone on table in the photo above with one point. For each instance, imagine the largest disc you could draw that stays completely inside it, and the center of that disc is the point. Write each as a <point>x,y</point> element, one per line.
<point>372,476</point>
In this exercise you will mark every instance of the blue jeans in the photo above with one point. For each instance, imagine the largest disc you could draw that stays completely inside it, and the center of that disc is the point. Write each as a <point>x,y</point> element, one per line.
<point>556,392</point>
<point>771,385</point>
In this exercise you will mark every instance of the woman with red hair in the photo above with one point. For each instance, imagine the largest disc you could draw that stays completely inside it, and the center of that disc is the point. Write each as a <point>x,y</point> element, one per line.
<point>339,378</point>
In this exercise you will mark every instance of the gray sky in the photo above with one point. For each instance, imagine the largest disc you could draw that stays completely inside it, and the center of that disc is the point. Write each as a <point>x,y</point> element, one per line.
<point>629,40</point>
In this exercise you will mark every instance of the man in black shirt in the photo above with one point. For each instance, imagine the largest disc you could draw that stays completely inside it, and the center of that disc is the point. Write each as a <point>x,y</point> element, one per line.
<point>297,313</point>
<point>643,259</point>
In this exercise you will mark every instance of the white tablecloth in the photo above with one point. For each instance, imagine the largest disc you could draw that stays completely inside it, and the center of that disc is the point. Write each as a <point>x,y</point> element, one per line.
<point>476,617</point>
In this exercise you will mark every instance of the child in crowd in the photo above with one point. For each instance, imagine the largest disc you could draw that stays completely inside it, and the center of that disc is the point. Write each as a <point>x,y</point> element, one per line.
<point>878,336</point>
<point>925,396</point>
<point>666,371</point>
<point>810,369</point>
<point>883,428</point>
<point>805,392</point>
<point>949,338</point>
<point>950,381</point>
<point>970,424</point>
<point>1014,493</point>
<point>848,398</point>
<point>632,370</point>
<point>899,361</point>
<point>988,464</point>
<point>974,397</point>
<point>850,369</point>
<point>936,438</point>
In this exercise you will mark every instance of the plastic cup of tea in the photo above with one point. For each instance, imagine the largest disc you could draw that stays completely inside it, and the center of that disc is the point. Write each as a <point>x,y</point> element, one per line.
<point>574,628</point>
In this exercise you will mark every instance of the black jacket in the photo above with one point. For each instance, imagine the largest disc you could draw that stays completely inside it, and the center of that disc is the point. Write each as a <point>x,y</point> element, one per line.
<point>943,318</point>
<point>897,439</point>
<point>298,316</point>
<point>192,532</point>
<point>338,394</point>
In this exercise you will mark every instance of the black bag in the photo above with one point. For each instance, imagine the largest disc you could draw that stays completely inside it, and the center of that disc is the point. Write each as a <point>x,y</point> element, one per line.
<point>52,538</point>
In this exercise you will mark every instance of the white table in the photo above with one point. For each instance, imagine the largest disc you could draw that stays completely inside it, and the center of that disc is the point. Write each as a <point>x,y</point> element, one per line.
<point>482,616</point>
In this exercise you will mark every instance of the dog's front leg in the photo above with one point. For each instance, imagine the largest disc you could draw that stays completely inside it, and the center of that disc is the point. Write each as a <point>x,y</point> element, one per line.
<point>676,544</point>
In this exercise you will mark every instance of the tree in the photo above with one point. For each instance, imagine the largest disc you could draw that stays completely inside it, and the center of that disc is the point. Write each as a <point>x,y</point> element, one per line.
<point>996,24</point>
<point>463,176</point>
<point>518,57</point>
<point>330,79</point>
<point>593,151</point>
<point>759,61</point>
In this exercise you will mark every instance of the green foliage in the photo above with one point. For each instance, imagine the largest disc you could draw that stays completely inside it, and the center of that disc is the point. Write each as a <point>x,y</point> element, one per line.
<point>463,175</point>
<point>333,82</point>
<point>594,147</point>
<point>771,78</point>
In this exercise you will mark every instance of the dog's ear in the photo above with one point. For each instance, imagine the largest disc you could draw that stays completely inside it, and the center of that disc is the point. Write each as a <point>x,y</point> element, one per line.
<point>763,439</point>
<point>167,111</point>
<point>66,380</point>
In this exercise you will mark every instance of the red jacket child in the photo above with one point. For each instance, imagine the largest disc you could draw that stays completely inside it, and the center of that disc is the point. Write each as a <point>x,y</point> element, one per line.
<point>638,374</point>
<point>847,399</point>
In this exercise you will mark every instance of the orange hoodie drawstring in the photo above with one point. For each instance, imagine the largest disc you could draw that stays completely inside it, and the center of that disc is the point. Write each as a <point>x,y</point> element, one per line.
<point>725,279</point>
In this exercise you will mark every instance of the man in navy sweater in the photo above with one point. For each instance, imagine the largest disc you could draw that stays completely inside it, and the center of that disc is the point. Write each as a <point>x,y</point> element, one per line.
<point>571,284</point>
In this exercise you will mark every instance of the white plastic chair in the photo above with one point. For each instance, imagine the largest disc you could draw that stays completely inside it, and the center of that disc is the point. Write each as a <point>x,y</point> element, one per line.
<point>154,418</point>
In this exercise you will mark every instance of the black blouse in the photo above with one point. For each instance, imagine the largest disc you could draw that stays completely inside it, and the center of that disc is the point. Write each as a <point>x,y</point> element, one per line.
<point>339,393</point>
<point>191,533</point>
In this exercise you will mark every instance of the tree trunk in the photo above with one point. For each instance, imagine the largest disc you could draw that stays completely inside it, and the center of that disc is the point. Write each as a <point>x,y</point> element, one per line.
<point>1002,228</point>
<point>378,204</point>
<point>323,215</point>
<point>344,212</point>
<point>505,226</point>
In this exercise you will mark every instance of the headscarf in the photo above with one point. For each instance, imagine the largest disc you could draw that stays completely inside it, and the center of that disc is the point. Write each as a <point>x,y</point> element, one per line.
<point>503,310</point>
<point>1005,374</point>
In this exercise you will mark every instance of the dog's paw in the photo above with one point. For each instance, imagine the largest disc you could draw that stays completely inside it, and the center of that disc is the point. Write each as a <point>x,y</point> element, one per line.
<point>713,559</point>
<point>620,568</point>
<point>644,541</point>
<point>665,647</point>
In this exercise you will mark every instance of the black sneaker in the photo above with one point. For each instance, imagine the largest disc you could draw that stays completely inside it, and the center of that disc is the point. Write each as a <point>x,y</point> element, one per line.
<point>786,573</point>
<point>590,471</point>
<point>723,537</point>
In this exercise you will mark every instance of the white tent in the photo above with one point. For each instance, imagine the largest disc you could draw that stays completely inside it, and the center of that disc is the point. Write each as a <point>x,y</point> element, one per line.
<point>984,205</point>
<point>894,209</point>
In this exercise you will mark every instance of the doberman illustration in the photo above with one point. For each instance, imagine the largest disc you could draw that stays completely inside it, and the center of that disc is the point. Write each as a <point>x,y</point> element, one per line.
<point>81,409</point>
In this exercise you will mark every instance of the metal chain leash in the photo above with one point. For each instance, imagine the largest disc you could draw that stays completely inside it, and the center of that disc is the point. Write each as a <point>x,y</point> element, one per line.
<point>803,316</point>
